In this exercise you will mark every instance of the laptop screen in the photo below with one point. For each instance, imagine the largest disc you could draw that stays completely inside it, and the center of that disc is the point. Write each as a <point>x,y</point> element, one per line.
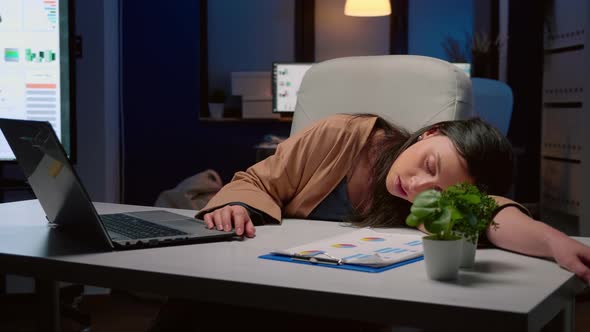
<point>52,177</point>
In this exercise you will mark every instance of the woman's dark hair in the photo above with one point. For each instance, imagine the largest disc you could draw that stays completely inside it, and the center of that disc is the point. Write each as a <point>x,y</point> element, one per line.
<point>487,152</point>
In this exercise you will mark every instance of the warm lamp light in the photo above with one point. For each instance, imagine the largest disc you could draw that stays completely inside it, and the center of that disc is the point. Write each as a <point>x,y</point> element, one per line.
<point>367,8</point>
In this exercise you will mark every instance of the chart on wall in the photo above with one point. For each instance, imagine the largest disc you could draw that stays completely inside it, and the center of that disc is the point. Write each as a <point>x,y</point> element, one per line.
<point>30,71</point>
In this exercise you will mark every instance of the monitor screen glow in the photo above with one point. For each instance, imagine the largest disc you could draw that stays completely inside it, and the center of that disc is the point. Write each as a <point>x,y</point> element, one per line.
<point>466,67</point>
<point>286,79</point>
<point>35,65</point>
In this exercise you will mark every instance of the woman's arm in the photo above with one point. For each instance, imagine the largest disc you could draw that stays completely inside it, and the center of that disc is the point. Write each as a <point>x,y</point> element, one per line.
<point>280,184</point>
<point>520,233</point>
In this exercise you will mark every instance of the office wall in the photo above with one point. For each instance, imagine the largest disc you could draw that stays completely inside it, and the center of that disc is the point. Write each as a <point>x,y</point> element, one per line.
<point>525,75</point>
<point>97,98</point>
<point>430,21</point>
<point>164,141</point>
<point>338,35</point>
<point>248,36</point>
<point>503,31</point>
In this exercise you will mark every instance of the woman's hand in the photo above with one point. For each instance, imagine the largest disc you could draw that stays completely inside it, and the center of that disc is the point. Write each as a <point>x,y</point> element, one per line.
<point>231,216</point>
<point>573,256</point>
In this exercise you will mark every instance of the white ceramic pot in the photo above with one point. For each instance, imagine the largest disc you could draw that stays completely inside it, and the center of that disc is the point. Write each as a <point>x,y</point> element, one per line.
<point>442,258</point>
<point>216,110</point>
<point>468,253</point>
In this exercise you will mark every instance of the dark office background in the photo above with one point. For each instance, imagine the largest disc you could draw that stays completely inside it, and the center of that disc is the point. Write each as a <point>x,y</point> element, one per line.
<point>164,75</point>
<point>164,140</point>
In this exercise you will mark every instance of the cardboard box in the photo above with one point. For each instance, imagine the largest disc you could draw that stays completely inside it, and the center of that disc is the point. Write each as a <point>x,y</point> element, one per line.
<point>258,108</point>
<point>256,91</point>
<point>251,84</point>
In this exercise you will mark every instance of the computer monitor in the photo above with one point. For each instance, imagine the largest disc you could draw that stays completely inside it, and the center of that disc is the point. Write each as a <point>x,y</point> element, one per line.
<point>286,79</point>
<point>35,66</point>
<point>466,67</point>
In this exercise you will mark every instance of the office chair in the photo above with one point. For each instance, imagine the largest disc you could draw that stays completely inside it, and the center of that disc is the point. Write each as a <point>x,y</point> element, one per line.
<point>492,101</point>
<point>408,90</point>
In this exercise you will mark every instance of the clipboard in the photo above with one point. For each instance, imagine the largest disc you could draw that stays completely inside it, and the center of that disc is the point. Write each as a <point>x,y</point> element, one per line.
<point>363,250</point>
<point>352,267</point>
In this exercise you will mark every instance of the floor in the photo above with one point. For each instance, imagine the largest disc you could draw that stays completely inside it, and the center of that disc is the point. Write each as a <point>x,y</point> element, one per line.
<point>129,313</point>
<point>583,313</point>
<point>114,313</point>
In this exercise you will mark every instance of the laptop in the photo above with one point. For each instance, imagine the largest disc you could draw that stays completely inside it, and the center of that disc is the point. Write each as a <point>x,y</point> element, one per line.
<point>69,208</point>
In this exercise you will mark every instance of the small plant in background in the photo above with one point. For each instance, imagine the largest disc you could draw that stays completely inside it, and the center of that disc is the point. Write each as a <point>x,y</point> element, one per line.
<point>463,50</point>
<point>457,50</point>
<point>461,210</point>
<point>482,43</point>
<point>479,49</point>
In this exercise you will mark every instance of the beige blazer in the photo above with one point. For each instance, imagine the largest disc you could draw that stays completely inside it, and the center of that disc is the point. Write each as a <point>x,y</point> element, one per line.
<point>303,171</point>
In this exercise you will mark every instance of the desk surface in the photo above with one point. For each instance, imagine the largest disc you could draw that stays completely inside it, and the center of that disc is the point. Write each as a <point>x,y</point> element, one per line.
<point>502,290</point>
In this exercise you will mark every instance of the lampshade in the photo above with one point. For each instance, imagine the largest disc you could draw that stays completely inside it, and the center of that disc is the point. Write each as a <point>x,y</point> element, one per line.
<point>367,8</point>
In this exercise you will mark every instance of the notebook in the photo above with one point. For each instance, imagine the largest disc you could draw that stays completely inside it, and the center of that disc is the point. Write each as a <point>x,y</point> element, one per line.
<point>68,207</point>
<point>364,250</point>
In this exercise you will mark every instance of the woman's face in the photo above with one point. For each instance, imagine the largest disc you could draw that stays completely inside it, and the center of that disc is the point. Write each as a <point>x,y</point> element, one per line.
<point>431,163</point>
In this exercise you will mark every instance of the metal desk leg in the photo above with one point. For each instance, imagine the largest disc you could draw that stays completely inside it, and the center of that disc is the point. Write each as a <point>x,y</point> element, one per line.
<point>565,321</point>
<point>3,284</point>
<point>48,300</point>
<point>569,316</point>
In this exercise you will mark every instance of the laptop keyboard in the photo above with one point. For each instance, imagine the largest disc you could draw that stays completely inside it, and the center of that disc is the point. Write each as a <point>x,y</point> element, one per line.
<point>136,228</point>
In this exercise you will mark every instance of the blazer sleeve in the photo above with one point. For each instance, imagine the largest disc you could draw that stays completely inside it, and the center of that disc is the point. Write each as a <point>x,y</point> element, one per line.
<point>271,184</point>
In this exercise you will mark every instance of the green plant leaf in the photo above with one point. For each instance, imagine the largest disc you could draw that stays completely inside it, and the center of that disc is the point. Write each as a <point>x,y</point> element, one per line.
<point>455,213</point>
<point>441,223</point>
<point>427,198</point>
<point>472,219</point>
<point>461,209</point>
<point>423,212</point>
<point>470,198</point>
<point>455,190</point>
<point>412,220</point>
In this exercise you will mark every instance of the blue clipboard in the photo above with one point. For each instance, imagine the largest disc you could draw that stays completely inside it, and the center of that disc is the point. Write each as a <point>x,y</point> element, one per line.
<point>361,268</point>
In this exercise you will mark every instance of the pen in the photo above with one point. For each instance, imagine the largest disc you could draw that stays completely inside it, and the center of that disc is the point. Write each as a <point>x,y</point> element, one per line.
<point>315,259</point>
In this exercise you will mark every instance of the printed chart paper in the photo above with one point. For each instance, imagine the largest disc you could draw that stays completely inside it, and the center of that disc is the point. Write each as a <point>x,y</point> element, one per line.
<point>365,247</point>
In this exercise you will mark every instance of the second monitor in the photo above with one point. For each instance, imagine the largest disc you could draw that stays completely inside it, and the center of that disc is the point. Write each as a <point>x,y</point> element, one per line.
<point>286,79</point>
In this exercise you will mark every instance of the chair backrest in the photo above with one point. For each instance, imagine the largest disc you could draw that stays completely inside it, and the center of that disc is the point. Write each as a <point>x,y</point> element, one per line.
<point>408,90</point>
<point>493,101</point>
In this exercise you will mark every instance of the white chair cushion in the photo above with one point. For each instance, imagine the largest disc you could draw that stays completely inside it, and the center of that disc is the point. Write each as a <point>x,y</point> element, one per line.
<point>408,90</point>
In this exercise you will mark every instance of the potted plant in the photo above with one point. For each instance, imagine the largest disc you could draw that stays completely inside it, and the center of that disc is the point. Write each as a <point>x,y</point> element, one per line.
<point>479,49</point>
<point>455,218</point>
<point>216,103</point>
<point>476,209</point>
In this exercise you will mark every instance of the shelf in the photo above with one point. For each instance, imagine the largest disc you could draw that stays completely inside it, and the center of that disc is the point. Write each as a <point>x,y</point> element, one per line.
<point>281,119</point>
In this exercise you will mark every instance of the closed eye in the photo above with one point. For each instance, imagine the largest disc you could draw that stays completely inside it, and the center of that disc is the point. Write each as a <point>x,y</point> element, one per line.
<point>432,171</point>
<point>429,166</point>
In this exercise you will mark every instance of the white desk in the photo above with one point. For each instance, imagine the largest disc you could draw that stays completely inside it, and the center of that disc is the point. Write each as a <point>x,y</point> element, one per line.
<point>504,291</point>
